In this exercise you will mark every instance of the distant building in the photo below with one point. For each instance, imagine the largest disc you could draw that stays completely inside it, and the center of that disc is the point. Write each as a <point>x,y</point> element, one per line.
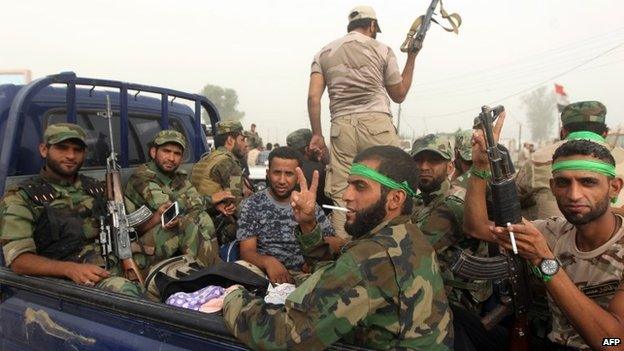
<point>15,76</point>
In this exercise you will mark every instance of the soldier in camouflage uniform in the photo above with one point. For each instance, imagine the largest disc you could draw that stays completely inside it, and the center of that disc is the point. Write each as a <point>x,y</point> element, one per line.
<point>533,178</point>
<point>49,224</point>
<point>463,158</point>
<point>221,170</point>
<point>383,290</point>
<point>360,74</point>
<point>580,259</point>
<point>439,212</point>
<point>157,184</point>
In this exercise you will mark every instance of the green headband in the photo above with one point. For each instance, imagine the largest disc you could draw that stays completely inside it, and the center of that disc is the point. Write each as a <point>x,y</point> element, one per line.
<point>585,165</point>
<point>585,135</point>
<point>366,172</point>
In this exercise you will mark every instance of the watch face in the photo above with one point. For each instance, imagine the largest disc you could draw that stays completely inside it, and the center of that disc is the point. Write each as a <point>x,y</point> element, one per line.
<point>549,266</point>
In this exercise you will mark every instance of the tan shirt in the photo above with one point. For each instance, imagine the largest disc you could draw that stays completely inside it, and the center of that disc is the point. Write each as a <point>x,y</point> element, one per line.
<point>598,273</point>
<point>356,69</point>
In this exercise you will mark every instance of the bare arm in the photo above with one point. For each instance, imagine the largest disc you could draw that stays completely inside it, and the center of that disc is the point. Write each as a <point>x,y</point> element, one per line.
<point>315,92</point>
<point>273,267</point>
<point>398,92</point>
<point>32,264</point>
<point>589,319</point>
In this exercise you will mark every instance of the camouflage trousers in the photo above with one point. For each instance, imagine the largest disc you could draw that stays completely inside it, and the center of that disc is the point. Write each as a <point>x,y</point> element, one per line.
<point>194,236</point>
<point>122,286</point>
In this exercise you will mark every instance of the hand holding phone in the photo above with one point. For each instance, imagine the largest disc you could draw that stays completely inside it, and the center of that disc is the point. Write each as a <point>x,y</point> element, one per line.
<point>170,214</point>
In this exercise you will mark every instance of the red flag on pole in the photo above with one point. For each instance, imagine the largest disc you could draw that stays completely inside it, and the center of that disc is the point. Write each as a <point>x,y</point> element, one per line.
<point>562,97</point>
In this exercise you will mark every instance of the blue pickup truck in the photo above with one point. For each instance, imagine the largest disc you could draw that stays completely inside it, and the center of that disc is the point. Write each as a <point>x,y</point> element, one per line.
<point>43,313</point>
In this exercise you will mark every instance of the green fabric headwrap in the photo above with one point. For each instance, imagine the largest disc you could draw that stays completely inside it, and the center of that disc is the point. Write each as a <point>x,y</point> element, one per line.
<point>362,170</point>
<point>585,165</point>
<point>585,135</point>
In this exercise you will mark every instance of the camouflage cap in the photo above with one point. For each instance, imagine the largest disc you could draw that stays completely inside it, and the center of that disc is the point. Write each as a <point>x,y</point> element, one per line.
<point>584,111</point>
<point>439,144</point>
<point>362,12</point>
<point>299,139</point>
<point>463,144</point>
<point>170,136</point>
<point>225,127</point>
<point>253,140</point>
<point>55,133</point>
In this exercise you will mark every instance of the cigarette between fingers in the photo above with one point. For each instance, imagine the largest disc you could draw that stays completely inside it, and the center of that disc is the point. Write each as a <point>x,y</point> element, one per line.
<point>337,208</point>
<point>512,238</point>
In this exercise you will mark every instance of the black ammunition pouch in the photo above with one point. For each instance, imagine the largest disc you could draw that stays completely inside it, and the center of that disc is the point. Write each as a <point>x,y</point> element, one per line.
<point>58,232</point>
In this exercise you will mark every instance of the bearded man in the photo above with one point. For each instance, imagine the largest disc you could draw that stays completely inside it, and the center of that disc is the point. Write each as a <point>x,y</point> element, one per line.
<point>267,223</point>
<point>383,290</point>
<point>580,257</point>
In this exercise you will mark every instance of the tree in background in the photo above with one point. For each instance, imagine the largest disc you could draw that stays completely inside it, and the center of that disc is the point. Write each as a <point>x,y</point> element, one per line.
<point>226,101</point>
<point>540,111</point>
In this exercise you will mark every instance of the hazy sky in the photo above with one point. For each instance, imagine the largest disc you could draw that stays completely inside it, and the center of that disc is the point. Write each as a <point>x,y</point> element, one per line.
<point>263,50</point>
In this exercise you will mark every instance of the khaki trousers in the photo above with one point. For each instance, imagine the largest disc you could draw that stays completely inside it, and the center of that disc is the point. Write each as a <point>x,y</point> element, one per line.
<point>349,135</point>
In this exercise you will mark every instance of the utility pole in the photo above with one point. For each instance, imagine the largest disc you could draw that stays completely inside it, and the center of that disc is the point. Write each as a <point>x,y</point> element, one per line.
<point>399,120</point>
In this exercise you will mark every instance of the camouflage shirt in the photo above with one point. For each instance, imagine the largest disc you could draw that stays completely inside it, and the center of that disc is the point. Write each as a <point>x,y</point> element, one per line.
<point>357,69</point>
<point>384,292</point>
<point>19,215</point>
<point>195,233</point>
<point>220,170</point>
<point>440,216</point>
<point>599,273</point>
<point>273,224</point>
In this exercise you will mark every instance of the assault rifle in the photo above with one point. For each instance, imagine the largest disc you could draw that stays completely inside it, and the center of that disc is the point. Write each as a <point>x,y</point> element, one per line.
<point>416,34</point>
<point>506,209</point>
<point>116,227</point>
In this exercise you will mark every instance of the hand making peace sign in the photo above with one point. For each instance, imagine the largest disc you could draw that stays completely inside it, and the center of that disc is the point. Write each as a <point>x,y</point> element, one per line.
<point>303,201</point>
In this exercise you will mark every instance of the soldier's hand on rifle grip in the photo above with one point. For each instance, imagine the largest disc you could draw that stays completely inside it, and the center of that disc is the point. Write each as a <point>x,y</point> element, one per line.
<point>532,245</point>
<point>479,146</point>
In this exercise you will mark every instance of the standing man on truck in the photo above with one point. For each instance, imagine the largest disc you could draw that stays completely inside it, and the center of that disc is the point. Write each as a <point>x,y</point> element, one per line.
<point>221,170</point>
<point>157,184</point>
<point>360,73</point>
<point>49,223</point>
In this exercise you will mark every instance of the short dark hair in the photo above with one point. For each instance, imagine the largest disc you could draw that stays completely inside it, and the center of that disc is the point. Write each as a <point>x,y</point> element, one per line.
<point>359,23</point>
<point>286,152</point>
<point>585,148</point>
<point>269,146</point>
<point>395,164</point>
<point>595,127</point>
<point>220,139</point>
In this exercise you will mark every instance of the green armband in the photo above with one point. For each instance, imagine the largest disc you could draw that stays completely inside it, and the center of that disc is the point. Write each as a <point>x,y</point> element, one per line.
<point>485,175</point>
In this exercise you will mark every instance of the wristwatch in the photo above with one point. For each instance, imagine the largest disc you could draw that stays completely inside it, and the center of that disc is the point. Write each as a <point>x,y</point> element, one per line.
<point>547,269</point>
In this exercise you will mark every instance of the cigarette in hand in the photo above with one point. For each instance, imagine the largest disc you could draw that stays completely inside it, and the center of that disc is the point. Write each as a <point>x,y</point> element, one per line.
<point>329,207</point>
<point>513,239</point>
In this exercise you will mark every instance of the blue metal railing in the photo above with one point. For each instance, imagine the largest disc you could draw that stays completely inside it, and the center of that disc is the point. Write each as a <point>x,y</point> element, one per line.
<point>12,131</point>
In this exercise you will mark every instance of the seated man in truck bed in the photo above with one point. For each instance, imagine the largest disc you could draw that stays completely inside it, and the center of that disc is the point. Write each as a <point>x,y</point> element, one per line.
<point>157,184</point>
<point>384,290</point>
<point>266,227</point>
<point>49,224</point>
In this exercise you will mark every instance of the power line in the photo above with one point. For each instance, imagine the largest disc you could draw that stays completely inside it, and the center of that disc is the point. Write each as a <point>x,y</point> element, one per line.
<point>531,87</point>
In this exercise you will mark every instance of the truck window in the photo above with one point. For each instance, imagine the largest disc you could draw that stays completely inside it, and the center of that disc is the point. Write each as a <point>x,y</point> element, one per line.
<point>141,132</point>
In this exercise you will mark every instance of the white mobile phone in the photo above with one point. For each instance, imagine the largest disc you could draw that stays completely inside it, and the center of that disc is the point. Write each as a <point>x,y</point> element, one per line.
<point>170,214</point>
